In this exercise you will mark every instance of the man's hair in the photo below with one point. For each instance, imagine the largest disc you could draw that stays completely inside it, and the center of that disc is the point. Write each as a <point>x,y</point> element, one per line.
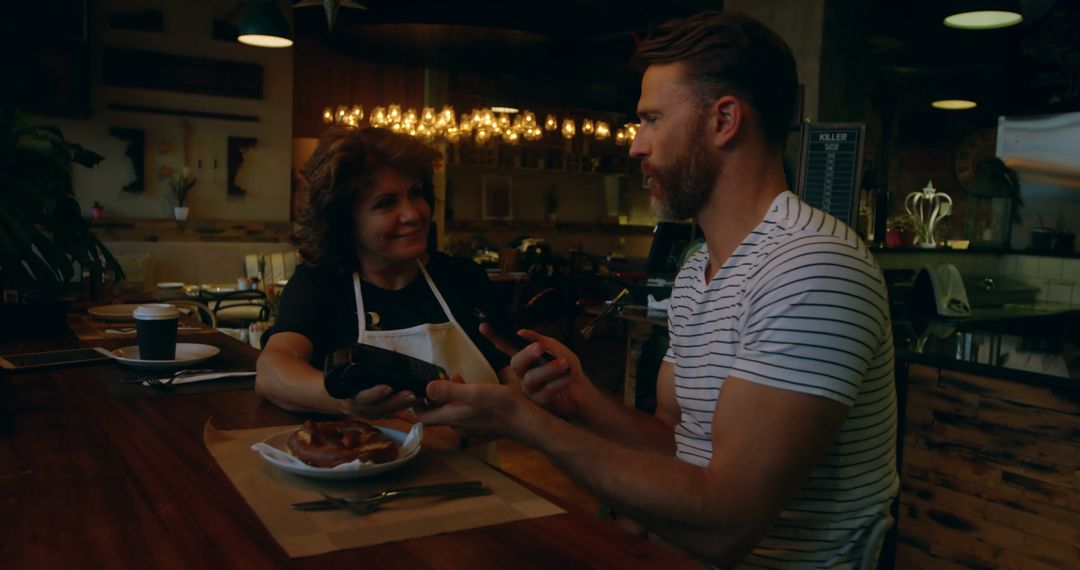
<point>727,53</point>
<point>346,162</point>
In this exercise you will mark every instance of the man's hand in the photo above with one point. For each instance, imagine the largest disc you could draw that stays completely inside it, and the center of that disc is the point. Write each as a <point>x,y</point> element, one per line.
<point>560,386</point>
<point>491,410</point>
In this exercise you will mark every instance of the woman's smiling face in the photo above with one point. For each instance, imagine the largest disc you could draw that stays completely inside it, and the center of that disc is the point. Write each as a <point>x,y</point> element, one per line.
<point>392,219</point>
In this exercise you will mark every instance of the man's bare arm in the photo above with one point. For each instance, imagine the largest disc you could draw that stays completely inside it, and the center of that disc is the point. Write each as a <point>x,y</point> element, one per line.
<point>766,441</point>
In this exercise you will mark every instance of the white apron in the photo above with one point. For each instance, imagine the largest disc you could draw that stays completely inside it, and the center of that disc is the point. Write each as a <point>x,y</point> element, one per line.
<point>444,344</point>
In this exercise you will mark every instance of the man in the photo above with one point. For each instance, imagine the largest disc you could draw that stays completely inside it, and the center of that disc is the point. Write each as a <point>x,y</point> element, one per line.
<point>773,444</point>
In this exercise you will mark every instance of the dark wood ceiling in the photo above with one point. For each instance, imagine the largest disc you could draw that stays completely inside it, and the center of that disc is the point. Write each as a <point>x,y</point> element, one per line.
<point>577,51</point>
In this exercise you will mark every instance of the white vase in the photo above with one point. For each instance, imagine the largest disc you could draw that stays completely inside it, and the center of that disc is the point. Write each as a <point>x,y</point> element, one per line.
<point>180,212</point>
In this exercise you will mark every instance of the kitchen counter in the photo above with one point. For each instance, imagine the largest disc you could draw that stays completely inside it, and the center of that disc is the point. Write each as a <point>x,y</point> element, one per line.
<point>1036,343</point>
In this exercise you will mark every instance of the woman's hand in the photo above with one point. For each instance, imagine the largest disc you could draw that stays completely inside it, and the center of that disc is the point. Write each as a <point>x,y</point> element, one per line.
<point>379,401</point>
<point>560,386</point>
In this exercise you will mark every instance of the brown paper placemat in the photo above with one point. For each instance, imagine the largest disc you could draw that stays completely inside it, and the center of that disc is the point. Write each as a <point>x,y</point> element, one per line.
<point>269,491</point>
<point>87,327</point>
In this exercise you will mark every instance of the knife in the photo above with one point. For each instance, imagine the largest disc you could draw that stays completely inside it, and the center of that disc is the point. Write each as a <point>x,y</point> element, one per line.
<point>462,489</point>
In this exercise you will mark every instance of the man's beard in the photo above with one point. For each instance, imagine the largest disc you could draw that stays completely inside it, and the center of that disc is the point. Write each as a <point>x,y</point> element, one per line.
<point>684,186</point>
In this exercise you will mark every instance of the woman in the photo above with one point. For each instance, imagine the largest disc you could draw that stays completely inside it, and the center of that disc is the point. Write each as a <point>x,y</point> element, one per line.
<point>363,237</point>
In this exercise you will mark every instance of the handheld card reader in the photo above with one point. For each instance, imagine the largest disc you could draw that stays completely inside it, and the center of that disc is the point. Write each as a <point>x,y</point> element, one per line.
<point>358,367</point>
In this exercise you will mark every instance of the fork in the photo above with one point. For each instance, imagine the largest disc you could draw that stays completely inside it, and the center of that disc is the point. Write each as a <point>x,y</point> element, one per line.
<point>389,494</point>
<point>372,504</point>
<point>156,381</point>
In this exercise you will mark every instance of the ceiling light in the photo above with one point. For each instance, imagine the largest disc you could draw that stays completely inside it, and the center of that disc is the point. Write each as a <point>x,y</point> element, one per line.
<point>983,19</point>
<point>507,110</point>
<point>265,26</point>
<point>953,104</point>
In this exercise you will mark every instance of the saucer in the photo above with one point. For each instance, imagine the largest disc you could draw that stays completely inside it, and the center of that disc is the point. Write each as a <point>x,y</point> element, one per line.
<point>186,354</point>
<point>112,312</point>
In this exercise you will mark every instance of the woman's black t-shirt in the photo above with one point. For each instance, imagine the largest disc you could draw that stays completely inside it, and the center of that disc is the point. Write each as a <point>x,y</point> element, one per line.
<point>319,303</point>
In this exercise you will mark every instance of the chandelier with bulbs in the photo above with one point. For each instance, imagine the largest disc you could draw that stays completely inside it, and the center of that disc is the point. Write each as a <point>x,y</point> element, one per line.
<point>505,124</point>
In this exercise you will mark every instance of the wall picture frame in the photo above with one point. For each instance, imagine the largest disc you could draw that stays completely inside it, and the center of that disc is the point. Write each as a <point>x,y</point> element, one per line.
<point>496,197</point>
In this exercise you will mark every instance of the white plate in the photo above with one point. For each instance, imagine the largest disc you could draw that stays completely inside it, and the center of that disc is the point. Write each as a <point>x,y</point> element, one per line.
<point>113,312</point>
<point>170,285</point>
<point>186,354</point>
<point>279,440</point>
<point>217,288</point>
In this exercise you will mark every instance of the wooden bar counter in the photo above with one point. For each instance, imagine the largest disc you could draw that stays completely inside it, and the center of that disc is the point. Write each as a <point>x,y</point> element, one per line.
<point>90,481</point>
<point>990,458</point>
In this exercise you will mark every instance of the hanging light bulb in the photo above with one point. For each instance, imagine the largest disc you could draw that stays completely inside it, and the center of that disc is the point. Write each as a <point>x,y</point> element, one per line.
<point>620,137</point>
<point>427,116</point>
<point>586,126</point>
<point>378,117</point>
<point>339,114</point>
<point>482,136</point>
<point>357,113</point>
<point>409,118</point>
<point>393,114</point>
<point>328,115</point>
<point>568,129</point>
<point>603,131</point>
<point>551,123</point>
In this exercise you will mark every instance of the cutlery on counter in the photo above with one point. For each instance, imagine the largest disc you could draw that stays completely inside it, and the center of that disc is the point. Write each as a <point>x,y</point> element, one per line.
<point>362,505</point>
<point>188,375</point>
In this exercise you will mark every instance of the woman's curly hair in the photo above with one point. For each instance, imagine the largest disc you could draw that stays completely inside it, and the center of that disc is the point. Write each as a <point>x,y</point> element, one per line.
<point>346,162</point>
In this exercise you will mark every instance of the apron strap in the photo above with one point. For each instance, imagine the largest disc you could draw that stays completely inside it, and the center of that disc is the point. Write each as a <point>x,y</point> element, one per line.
<point>438,295</point>
<point>360,317</point>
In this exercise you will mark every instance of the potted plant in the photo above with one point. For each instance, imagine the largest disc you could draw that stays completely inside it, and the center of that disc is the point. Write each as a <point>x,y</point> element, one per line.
<point>43,234</point>
<point>181,183</point>
<point>900,231</point>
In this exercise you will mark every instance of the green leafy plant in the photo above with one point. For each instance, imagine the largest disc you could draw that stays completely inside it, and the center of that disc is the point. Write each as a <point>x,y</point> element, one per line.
<point>181,183</point>
<point>42,231</point>
<point>902,223</point>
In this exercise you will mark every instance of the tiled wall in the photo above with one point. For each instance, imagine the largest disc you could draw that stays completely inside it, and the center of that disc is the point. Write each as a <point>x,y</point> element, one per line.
<point>1057,278</point>
<point>968,263</point>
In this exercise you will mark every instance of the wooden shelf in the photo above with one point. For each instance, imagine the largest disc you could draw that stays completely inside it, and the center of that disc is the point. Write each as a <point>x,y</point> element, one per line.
<point>544,227</point>
<point>163,229</point>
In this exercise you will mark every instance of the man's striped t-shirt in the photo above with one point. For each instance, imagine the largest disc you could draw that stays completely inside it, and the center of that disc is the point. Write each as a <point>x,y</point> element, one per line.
<point>800,305</point>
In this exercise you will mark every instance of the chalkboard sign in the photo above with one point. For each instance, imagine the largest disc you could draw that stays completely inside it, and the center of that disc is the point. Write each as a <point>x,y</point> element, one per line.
<point>830,168</point>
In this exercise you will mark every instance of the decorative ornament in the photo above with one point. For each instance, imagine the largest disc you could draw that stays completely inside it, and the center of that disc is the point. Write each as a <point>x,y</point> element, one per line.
<point>927,207</point>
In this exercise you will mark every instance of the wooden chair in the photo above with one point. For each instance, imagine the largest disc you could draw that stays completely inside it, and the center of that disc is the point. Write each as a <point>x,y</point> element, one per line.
<point>875,541</point>
<point>238,309</point>
<point>204,313</point>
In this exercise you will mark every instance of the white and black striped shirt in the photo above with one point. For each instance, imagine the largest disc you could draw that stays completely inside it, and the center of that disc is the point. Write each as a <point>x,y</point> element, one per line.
<point>800,305</point>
